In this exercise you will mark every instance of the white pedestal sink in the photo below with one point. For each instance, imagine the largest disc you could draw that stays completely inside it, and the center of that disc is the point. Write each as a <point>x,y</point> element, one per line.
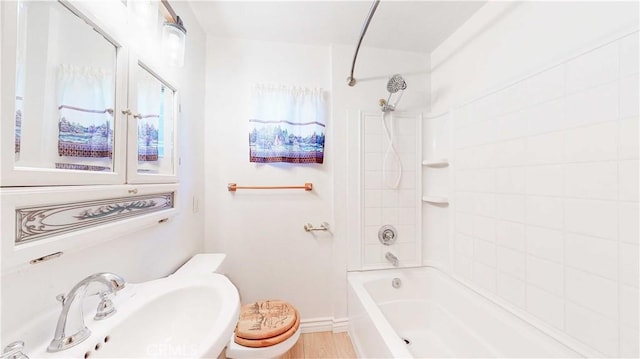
<point>186,316</point>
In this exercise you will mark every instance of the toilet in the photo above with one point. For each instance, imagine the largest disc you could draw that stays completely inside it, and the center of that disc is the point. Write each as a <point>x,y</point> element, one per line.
<point>250,342</point>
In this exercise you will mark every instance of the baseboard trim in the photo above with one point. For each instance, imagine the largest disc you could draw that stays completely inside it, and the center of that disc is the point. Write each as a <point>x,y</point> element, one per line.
<point>324,324</point>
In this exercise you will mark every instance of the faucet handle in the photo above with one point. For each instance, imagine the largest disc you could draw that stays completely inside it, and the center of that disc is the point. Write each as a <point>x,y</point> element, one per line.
<point>105,307</point>
<point>14,351</point>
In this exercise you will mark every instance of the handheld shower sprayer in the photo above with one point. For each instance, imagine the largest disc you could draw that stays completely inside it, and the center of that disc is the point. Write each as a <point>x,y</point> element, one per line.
<point>396,83</point>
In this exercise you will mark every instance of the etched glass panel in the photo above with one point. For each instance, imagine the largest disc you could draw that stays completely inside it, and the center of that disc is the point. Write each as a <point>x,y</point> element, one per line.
<point>65,91</point>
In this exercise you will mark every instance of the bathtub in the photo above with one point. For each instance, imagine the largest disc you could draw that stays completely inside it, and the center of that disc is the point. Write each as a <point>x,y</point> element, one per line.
<point>431,315</point>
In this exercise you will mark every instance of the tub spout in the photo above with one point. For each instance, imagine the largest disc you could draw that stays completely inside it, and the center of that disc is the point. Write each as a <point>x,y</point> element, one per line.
<point>391,258</point>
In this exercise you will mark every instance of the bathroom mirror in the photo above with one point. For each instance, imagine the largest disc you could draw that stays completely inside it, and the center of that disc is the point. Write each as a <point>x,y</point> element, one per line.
<point>65,91</point>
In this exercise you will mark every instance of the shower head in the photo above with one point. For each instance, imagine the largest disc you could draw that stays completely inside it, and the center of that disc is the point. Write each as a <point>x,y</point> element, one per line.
<point>396,83</point>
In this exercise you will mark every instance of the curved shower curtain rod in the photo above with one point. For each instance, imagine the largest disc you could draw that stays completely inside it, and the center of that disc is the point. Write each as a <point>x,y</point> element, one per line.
<point>351,80</point>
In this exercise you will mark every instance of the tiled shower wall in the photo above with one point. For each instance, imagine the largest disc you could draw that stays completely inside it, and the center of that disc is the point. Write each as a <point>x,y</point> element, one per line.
<point>381,204</point>
<point>546,196</point>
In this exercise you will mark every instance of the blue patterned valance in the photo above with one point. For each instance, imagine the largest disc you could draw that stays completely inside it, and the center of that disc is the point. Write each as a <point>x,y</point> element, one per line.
<point>287,124</point>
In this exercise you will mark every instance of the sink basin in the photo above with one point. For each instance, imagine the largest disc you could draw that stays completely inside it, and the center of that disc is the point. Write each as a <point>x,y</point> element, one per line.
<point>181,316</point>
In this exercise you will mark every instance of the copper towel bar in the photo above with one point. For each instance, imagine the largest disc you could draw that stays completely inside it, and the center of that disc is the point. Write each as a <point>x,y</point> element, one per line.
<point>232,187</point>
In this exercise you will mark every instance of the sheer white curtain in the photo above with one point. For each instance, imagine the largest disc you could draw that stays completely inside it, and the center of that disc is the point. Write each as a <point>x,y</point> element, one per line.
<point>287,124</point>
<point>85,107</point>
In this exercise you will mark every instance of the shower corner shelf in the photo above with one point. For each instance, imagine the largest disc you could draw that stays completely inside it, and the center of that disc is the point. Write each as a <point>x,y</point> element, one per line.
<point>443,162</point>
<point>435,200</point>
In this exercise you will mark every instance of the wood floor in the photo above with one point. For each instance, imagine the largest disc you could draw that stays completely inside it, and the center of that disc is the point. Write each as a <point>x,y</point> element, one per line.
<point>322,345</point>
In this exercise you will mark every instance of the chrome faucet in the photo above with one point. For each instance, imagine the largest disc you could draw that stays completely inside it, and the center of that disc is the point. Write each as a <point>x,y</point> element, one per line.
<point>391,258</point>
<point>71,329</point>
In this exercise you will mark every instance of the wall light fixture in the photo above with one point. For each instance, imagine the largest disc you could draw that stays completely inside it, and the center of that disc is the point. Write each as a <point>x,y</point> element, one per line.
<point>173,37</point>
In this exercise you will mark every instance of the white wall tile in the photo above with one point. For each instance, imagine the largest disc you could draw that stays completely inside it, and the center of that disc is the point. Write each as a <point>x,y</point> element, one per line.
<point>594,68</point>
<point>629,342</point>
<point>465,201</point>
<point>545,86</point>
<point>407,253</point>
<point>545,243</point>
<point>372,127</point>
<point>546,117</point>
<point>372,143</point>
<point>510,261</point>
<point>629,230</point>
<point>371,234</point>
<point>389,198</point>
<point>629,264</point>
<point>511,125</point>
<point>510,153</point>
<point>592,254</point>
<point>464,245</point>
<point>597,142</point>
<point>596,180</point>
<point>628,138</point>
<point>407,215</point>
<point>510,207</point>
<point>592,329</point>
<point>629,55</point>
<point>592,291</point>
<point>545,180</point>
<point>629,97</point>
<point>510,289</point>
<point>485,204</point>
<point>545,274</point>
<point>406,126</point>
<point>484,252</point>
<point>546,306</point>
<point>407,198</point>
<point>373,180</point>
<point>510,235</point>
<point>408,161</point>
<point>629,302</point>
<point>593,218</point>
<point>484,276</point>
<point>628,171</point>
<point>372,216</point>
<point>545,212</point>
<point>512,98</point>
<point>407,233</point>
<point>545,149</point>
<point>484,228</point>
<point>510,180</point>
<point>390,215</point>
<point>408,180</point>
<point>599,104</point>
<point>464,223</point>
<point>373,161</point>
<point>405,144</point>
<point>373,253</point>
<point>464,158</point>
<point>463,267</point>
<point>372,198</point>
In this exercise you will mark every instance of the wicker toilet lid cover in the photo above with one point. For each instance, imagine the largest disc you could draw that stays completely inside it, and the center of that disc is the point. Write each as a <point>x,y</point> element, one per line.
<point>265,319</point>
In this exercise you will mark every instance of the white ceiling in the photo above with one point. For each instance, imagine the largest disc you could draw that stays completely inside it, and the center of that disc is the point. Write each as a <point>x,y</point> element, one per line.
<point>418,26</point>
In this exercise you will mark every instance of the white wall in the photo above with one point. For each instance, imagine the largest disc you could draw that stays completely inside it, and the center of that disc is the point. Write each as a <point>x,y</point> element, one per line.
<point>269,253</point>
<point>144,255</point>
<point>545,131</point>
